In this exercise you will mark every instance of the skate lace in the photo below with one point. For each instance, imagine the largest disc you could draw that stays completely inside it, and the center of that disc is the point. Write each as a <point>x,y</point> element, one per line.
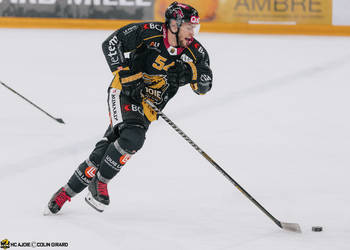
<point>61,198</point>
<point>102,188</point>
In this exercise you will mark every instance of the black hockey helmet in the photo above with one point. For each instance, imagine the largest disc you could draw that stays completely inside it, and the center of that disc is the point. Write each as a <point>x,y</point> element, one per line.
<point>181,13</point>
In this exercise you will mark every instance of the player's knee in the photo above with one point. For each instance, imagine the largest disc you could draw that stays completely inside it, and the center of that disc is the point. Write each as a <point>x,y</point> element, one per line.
<point>132,138</point>
<point>98,152</point>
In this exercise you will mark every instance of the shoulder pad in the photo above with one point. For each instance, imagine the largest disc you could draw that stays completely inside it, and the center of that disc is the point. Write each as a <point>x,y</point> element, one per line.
<point>197,50</point>
<point>152,29</point>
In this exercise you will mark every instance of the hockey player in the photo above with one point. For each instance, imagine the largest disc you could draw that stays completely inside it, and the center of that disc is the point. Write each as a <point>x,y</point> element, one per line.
<point>148,60</point>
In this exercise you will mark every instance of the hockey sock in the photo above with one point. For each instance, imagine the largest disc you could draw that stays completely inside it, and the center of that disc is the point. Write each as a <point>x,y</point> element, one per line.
<point>112,161</point>
<point>82,176</point>
<point>69,191</point>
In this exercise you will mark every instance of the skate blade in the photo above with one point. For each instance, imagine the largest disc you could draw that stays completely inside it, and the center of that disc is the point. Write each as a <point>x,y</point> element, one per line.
<point>47,211</point>
<point>94,203</point>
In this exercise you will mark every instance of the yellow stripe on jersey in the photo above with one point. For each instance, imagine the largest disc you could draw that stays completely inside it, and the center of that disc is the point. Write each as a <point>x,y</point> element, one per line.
<point>152,37</point>
<point>116,81</point>
<point>116,71</point>
<point>192,53</point>
<point>116,84</point>
<point>132,78</point>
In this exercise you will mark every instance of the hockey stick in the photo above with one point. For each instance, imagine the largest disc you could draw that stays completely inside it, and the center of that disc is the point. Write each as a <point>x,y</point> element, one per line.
<point>294,227</point>
<point>56,119</point>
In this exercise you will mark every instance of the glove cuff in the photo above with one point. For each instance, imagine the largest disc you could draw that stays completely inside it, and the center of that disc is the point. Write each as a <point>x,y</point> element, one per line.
<point>192,72</point>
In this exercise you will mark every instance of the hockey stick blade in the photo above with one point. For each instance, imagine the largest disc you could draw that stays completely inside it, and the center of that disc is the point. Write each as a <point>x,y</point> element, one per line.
<point>59,120</point>
<point>293,227</point>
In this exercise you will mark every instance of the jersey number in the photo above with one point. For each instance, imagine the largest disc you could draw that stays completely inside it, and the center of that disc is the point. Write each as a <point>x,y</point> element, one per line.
<point>160,63</point>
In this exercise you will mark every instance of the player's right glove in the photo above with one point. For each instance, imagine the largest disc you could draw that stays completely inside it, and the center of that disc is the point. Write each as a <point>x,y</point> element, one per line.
<point>132,84</point>
<point>180,74</point>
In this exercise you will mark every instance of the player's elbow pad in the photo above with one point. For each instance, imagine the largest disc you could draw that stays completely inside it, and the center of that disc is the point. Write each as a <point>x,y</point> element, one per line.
<point>113,51</point>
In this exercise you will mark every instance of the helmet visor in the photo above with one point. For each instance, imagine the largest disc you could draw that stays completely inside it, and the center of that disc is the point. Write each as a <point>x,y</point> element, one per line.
<point>192,27</point>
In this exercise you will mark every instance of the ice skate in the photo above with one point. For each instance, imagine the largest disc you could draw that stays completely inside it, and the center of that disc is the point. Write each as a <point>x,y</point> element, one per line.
<point>97,196</point>
<point>57,201</point>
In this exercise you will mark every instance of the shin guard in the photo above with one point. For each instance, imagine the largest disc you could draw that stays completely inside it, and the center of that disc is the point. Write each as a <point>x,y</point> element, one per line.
<point>114,158</point>
<point>82,176</point>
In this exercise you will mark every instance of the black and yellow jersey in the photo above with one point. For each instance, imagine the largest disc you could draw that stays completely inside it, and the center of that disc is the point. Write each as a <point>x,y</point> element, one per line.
<point>156,56</point>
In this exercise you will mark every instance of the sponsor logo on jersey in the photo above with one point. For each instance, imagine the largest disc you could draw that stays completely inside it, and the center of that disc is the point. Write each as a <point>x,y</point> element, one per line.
<point>129,30</point>
<point>156,87</point>
<point>153,26</point>
<point>186,58</point>
<point>133,108</point>
<point>114,104</point>
<point>90,171</point>
<point>127,107</point>
<point>199,48</point>
<point>154,92</point>
<point>172,51</point>
<point>112,50</point>
<point>113,41</point>
<point>154,44</point>
<point>124,158</point>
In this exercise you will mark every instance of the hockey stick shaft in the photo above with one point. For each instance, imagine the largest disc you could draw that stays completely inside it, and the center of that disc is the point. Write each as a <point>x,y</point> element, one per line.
<point>288,226</point>
<point>59,120</point>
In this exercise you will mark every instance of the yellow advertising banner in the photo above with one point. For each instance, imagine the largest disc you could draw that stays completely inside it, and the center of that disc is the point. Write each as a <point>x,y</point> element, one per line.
<point>312,17</point>
<point>275,11</point>
<point>257,11</point>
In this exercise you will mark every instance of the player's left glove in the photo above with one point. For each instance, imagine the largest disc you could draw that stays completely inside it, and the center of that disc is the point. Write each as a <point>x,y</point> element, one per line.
<point>204,80</point>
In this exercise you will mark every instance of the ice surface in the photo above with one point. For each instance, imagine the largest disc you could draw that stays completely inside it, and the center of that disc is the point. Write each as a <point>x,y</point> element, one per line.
<point>277,120</point>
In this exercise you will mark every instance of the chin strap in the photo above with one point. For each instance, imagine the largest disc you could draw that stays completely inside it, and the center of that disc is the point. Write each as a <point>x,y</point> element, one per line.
<point>176,34</point>
<point>177,39</point>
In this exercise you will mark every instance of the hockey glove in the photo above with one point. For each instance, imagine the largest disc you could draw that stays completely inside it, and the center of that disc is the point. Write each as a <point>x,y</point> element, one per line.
<point>149,111</point>
<point>138,57</point>
<point>132,84</point>
<point>204,81</point>
<point>179,74</point>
